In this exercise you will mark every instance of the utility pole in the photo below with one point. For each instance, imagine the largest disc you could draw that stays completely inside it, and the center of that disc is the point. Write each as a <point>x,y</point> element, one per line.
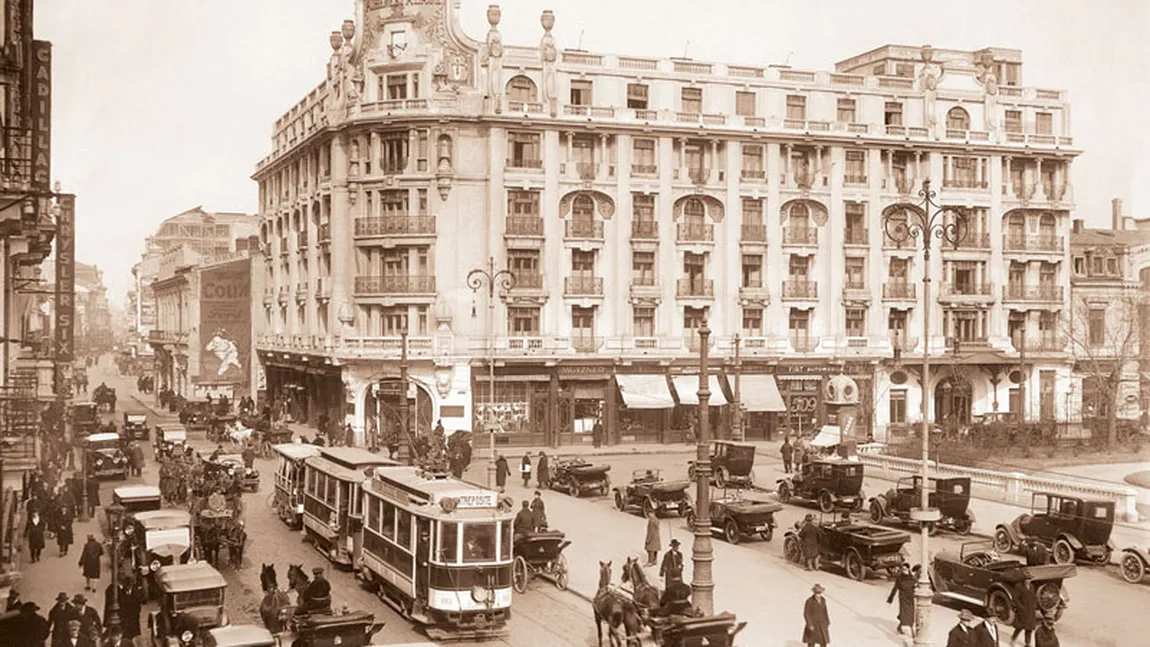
<point>703,584</point>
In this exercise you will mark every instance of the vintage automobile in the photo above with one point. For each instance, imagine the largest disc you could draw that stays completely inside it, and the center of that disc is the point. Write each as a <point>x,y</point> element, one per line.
<point>105,455</point>
<point>650,493</point>
<point>1073,528</point>
<point>234,465</point>
<point>576,476</point>
<point>160,538</point>
<point>105,398</point>
<point>979,576</point>
<point>135,499</point>
<point>240,636</point>
<point>737,516</point>
<point>715,631</point>
<point>347,629</point>
<point>950,496</point>
<point>169,440</point>
<point>732,464</point>
<point>195,415</point>
<point>829,482</point>
<point>855,546</point>
<point>191,604</point>
<point>85,418</point>
<point>1134,564</point>
<point>135,426</point>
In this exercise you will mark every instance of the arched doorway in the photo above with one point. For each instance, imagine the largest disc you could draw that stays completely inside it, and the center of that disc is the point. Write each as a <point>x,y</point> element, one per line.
<point>953,400</point>
<point>384,411</point>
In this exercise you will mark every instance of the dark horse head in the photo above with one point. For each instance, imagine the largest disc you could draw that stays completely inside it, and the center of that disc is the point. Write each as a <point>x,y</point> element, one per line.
<point>297,578</point>
<point>268,579</point>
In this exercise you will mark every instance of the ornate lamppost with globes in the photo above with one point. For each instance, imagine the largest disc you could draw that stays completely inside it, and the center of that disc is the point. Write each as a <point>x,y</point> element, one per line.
<point>702,581</point>
<point>903,222</point>
<point>504,280</point>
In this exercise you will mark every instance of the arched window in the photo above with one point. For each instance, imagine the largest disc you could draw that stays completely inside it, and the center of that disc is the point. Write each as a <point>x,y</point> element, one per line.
<point>583,209</point>
<point>1046,227</point>
<point>1016,227</point>
<point>694,212</point>
<point>957,119</point>
<point>799,216</point>
<point>521,89</point>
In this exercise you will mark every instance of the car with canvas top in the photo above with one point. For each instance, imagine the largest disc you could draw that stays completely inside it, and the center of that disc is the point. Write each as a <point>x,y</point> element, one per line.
<point>648,492</point>
<point>978,575</point>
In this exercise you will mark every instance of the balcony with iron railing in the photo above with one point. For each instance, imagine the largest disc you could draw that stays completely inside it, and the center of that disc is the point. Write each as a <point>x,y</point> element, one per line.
<point>851,179</point>
<point>854,289</point>
<point>753,175</point>
<point>798,289</point>
<point>584,230</point>
<point>803,343</point>
<point>583,286</point>
<point>585,343</point>
<point>524,226</point>
<point>1019,292</point>
<point>394,285</point>
<point>645,229</point>
<point>395,226</point>
<point>527,281</point>
<point>970,240</point>
<point>646,170</point>
<point>602,112</point>
<point>1033,243</point>
<point>966,289</point>
<point>800,236</point>
<point>1043,343</point>
<point>754,233</point>
<point>695,288</point>
<point>695,233</point>
<point>899,290</point>
<point>524,164</point>
<point>856,236</point>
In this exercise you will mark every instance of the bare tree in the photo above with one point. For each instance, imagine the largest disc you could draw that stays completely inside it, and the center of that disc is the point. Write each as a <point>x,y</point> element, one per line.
<point>1102,332</point>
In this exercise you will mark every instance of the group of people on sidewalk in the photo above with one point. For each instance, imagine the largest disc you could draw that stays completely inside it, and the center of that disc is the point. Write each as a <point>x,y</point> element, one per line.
<point>72,622</point>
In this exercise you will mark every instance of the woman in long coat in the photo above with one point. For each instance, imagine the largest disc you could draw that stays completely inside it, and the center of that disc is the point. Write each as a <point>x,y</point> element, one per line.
<point>64,529</point>
<point>817,622</point>
<point>904,589</point>
<point>651,543</point>
<point>35,534</point>
<point>501,472</point>
<point>543,471</point>
<point>90,562</point>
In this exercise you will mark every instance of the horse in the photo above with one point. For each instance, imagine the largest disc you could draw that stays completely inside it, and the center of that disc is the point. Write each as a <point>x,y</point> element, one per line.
<point>645,594</point>
<point>238,434</point>
<point>297,578</point>
<point>276,610</point>
<point>268,578</point>
<point>618,611</point>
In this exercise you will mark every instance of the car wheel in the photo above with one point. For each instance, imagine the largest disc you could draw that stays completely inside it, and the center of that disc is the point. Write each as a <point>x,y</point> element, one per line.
<point>767,534</point>
<point>853,564</point>
<point>1048,596</point>
<point>857,506</point>
<point>791,551</point>
<point>826,501</point>
<point>1063,553</point>
<point>573,488</point>
<point>731,531</point>
<point>619,501</point>
<point>649,507</point>
<point>875,512</point>
<point>784,492</point>
<point>1003,543</point>
<point>1104,558</point>
<point>519,575</point>
<point>999,602</point>
<point>931,528</point>
<point>1133,569</point>
<point>963,526</point>
<point>721,477</point>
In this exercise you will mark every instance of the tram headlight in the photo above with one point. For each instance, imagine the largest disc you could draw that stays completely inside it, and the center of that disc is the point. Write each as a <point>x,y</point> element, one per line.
<point>186,637</point>
<point>479,593</point>
<point>155,565</point>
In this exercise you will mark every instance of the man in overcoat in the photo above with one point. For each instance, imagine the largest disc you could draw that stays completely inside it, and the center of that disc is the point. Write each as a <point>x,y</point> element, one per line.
<point>651,542</point>
<point>1025,611</point>
<point>543,471</point>
<point>817,622</point>
<point>988,634</point>
<point>672,567</point>
<point>809,542</point>
<point>501,472</point>
<point>962,634</point>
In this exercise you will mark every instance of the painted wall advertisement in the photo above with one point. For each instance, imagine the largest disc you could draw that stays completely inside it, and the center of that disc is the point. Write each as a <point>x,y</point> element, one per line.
<point>226,323</point>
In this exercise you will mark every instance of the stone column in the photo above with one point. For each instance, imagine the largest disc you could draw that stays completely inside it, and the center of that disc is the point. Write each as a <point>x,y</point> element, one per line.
<point>342,247</point>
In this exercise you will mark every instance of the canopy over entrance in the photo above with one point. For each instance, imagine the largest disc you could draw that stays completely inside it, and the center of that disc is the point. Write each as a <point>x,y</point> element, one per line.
<point>645,391</point>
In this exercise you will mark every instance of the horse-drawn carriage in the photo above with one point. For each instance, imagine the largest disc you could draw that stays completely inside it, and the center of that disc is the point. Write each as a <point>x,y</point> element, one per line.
<point>105,398</point>
<point>540,554</point>
<point>576,476</point>
<point>219,526</point>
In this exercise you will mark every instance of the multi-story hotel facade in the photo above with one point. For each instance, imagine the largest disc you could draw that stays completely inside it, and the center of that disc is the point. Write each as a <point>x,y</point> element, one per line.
<point>634,198</point>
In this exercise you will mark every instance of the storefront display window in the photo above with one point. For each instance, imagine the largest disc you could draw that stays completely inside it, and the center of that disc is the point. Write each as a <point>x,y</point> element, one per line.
<point>511,410</point>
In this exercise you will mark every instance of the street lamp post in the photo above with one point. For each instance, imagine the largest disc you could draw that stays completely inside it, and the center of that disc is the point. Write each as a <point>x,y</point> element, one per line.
<point>703,584</point>
<point>404,406</point>
<point>737,415</point>
<point>505,280</point>
<point>922,223</point>
<point>116,521</point>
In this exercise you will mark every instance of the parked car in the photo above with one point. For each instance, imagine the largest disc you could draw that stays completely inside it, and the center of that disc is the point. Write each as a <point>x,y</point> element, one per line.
<point>135,426</point>
<point>950,496</point>
<point>191,604</point>
<point>240,636</point>
<point>576,476</point>
<point>855,546</point>
<point>650,493</point>
<point>979,575</point>
<point>105,456</point>
<point>1134,564</point>
<point>1073,528</point>
<point>829,482</point>
<point>738,517</point>
<point>732,464</point>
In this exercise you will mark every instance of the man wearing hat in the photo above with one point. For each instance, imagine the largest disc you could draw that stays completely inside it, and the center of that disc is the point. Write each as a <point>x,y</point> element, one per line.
<point>962,635</point>
<point>817,622</point>
<point>90,624</point>
<point>809,543</point>
<point>317,595</point>
<point>32,628</point>
<point>987,634</point>
<point>58,617</point>
<point>116,639</point>
<point>74,637</point>
<point>671,569</point>
<point>1044,636</point>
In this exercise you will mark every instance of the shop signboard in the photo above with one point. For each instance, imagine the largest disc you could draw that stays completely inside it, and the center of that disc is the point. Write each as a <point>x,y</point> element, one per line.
<point>65,293</point>
<point>225,323</point>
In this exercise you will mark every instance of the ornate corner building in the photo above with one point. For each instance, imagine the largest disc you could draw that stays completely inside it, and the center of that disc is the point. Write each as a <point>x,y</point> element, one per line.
<point>632,198</point>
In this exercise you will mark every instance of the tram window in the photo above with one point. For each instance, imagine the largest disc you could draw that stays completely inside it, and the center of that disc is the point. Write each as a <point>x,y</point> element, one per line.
<point>448,542</point>
<point>403,529</point>
<point>388,520</point>
<point>479,542</point>
<point>505,535</point>
<point>311,482</point>
<point>329,492</point>
<point>373,514</point>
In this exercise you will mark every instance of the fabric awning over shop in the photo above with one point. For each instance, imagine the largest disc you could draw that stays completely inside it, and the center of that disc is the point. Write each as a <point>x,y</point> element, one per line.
<point>645,391</point>
<point>760,393</point>
<point>829,436</point>
<point>687,386</point>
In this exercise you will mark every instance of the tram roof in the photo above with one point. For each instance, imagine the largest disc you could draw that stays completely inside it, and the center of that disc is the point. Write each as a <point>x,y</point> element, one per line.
<point>338,471</point>
<point>422,489</point>
<point>297,451</point>
<point>354,457</point>
<point>179,578</point>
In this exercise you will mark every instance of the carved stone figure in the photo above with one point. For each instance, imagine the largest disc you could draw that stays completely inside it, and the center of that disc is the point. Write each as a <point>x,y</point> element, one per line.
<point>929,82</point>
<point>494,54</point>
<point>548,54</point>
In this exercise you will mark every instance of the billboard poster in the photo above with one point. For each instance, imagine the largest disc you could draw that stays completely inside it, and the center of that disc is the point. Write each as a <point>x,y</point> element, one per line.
<point>65,290</point>
<point>40,115</point>
<point>225,323</point>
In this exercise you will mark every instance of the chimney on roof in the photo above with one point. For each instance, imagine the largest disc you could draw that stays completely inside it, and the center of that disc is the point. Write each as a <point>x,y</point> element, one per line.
<point>1077,225</point>
<point>1116,220</point>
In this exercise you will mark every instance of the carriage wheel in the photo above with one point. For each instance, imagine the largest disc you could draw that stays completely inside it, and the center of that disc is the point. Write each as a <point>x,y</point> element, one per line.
<point>721,477</point>
<point>561,575</point>
<point>1132,568</point>
<point>520,574</point>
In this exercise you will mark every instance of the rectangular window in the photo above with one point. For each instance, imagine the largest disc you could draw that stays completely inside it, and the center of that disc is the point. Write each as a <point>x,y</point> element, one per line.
<point>580,93</point>
<point>448,542</point>
<point>892,113</point>
<point>1043,123</point>
<point>753,161</point>
<point>393,152</point>
<point>1013,121</point>
<point>1097,327</point>
<point>388,522</point>
<point>1112,266</point>
<point>905,70</point>
<point>1079,265</point>
<point>583,263</point>
<point>855,322</point>
<point>643,207</point>
<point>745,105</point>
<point>523,322</point>
<point>896,321</point>
<point>855,167</point>
<point>846,111</point>
<point>898,407</point>
<point>898,270</point>
<point>799,321</point>
<point>753,322</point>
<point>693,319</point>
<point>637,96</point>
<point>855,270</point>
<point>643,320</point>
<point>691,100</point>
<point>643,156</point>
<point>583,321</point>
<point>752,211</point>
<point>421,151</point>
<point>525,150</point>
<point>523,204</point>
<point>796,107</point>
<point>393,203</point>
<point>752,270</point>
<point>396,87</point>
<point>799,267</point>
<point>525,265</point>
<point>479,542</point>
<point>643,268</point>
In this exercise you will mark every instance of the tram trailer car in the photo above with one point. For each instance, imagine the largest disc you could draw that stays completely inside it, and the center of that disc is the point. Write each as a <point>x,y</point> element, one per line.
<point>332,516</point>
<point>289,481</point>
<point>462,532</point>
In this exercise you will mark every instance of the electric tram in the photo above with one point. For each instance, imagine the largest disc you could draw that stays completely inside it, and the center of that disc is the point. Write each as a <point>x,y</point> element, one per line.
<point>331,503</point>
<point>287,499</point>
<point>439,551</point>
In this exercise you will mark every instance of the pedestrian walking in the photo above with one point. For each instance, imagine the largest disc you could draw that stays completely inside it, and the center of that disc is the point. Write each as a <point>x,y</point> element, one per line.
<point>903,589</point>
<point>817,622</point>
<point>1025,612</point>
<point>525,470</point>
<point>34,532</point>
<point>597,433</point>
<point>1044,636</point>
<point>136,455</point>
<point>501,472</point>
<point>539,512</point>
<point>543,471</point>
<point>90,562</point>
<point>59,616</point>
<point>90,625</point>
<point>788,452</point>
<point>671,569</point>
<point>93,490</point>
<point>248,456</point>
<point>74,637</point>
<point>652,542</point>
<point>962,634</point>
<point>32,628</point>
<point>131,600</point>
<point>809,543</point>
<point>986,634</point>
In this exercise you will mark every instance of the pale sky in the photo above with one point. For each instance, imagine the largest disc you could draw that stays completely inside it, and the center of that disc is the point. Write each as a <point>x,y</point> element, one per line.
<point>162,105</point>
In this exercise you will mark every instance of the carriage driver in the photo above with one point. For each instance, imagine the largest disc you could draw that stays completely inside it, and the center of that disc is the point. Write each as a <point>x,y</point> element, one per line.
<point>524,522</point>
<point>317,596</point>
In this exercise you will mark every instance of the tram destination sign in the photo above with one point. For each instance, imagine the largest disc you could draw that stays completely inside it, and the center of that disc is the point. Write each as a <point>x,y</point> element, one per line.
<point>471,500</point>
